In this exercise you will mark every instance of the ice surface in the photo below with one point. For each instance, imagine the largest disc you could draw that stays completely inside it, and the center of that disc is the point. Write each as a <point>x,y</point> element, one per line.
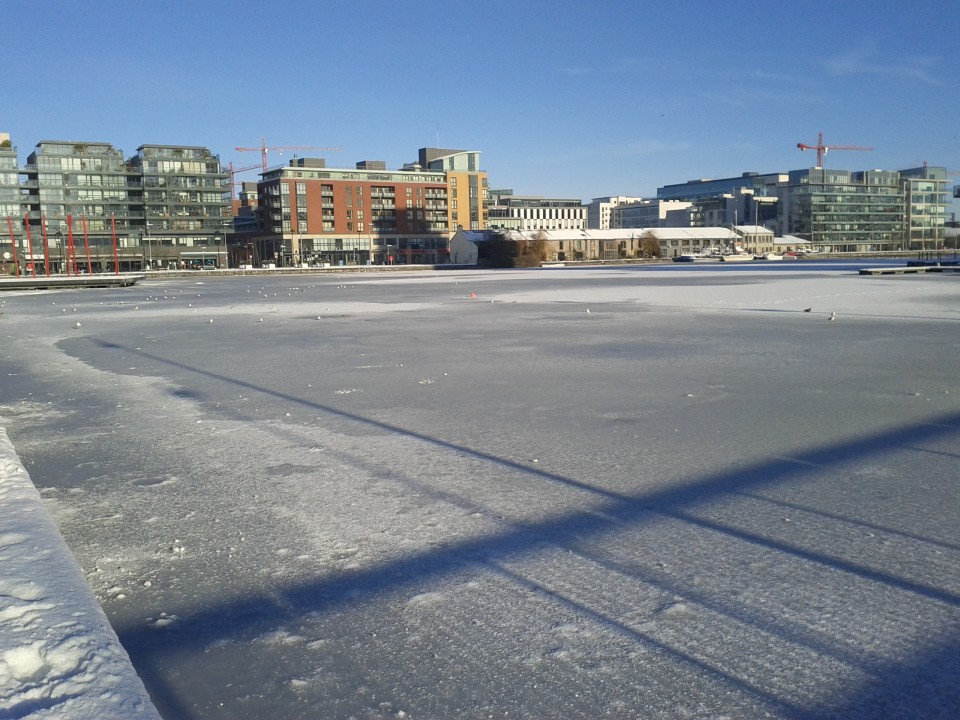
<point>460,494</point>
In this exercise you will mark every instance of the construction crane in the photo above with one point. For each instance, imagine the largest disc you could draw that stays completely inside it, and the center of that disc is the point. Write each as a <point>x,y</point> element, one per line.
<point>823,149</point>
<point>233,175</point>
<point>263,149</point>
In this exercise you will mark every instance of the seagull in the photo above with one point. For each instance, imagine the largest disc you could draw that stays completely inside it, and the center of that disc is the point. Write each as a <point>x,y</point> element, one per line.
<point>78,324</point>
<point>807,309</point>
<point>833,316</point>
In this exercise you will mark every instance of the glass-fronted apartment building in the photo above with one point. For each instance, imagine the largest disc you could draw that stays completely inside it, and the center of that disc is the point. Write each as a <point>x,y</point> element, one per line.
<point>166,207</point>
<point>186,205</point>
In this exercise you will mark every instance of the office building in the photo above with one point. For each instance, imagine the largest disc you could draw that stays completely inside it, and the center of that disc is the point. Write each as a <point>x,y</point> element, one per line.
<point>533,212</point>
<point>600,210</point>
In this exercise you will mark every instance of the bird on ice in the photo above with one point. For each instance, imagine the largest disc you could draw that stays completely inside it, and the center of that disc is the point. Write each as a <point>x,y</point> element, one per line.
<point>807,309</point>
<point>833,316</point>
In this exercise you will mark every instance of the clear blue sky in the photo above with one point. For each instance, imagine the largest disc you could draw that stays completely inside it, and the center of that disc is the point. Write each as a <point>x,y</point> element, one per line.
<point>571,99</point>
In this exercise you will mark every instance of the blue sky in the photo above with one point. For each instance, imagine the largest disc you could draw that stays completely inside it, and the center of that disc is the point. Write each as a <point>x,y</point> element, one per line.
<point>571,99</point>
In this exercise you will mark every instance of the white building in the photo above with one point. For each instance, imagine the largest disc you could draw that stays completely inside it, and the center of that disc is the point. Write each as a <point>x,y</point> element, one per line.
<point>534,212</point>
<point>599,212</point>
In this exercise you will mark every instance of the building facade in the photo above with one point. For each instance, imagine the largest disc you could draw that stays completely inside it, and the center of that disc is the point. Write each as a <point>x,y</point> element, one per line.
<point>468,191</point>
<point>652,213</point>
<point>311,214</point>
<point>83,207</point>
<point>186,206</point>
<point>533,212</point>
<point>837,210</point>
<point>600,211</point>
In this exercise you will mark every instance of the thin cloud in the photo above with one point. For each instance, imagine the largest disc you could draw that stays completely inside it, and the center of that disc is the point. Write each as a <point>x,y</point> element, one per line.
<point>862,61</point>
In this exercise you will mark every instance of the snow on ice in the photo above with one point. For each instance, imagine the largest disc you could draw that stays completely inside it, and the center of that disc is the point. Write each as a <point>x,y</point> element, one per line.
<point>376,497</point>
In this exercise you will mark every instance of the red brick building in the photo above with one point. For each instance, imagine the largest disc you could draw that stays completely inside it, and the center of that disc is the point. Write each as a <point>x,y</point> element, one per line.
<point>311,214</point>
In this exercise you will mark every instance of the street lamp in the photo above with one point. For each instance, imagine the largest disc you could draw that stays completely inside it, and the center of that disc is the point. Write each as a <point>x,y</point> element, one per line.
<point>218,237</point>
<point>146,258</point>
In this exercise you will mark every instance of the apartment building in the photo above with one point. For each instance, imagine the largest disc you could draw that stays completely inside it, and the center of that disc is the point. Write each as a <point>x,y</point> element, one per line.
<point>186,206</point>
<point>313,214</point>
<point>468,191</point>
<point>77,201</point>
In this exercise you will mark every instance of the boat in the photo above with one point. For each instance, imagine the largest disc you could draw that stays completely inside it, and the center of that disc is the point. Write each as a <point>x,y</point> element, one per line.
<point>768,256</point>
<point>737,257</point>
<point>697,257</point>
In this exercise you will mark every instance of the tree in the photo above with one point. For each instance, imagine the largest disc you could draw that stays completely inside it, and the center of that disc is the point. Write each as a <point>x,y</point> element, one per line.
<point>498,252</point>
<point>650,248</point>
<point>530,253</point>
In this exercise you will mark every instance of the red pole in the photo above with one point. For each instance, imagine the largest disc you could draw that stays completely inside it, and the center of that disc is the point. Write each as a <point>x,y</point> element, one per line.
<point>33,261</point>
<point>71,250</point>
<point>86,244</point>
<point>46,249</point>
<point>116,261</point>
<point>16,260</point>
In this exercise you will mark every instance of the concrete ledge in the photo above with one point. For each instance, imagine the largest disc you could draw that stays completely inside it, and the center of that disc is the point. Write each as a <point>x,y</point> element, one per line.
<point>910,269</point>
<point>59,657</point>
<point>46,282</point>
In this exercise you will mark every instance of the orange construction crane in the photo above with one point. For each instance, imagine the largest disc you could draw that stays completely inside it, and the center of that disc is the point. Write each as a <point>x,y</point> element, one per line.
<point>822,149</point>
<point>263,149</point>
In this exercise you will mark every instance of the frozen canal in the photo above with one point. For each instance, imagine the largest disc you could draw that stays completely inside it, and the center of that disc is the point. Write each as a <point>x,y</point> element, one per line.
<point>566,493</point>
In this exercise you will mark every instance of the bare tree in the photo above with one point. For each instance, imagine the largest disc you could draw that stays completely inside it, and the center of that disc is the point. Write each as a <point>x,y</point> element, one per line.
<point>650,248</point>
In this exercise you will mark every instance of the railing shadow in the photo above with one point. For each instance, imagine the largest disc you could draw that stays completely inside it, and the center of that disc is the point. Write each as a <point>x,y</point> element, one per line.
<point>607,514</point>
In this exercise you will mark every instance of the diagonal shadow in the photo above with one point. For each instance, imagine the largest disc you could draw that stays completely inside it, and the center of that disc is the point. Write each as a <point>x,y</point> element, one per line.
<point>612,511</point>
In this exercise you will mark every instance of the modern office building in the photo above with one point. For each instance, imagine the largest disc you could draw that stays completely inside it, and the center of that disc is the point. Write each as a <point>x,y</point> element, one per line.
<point>654,213</point>
<point>600,210</point>
<point>927,201</point>
<point>90,210</point>
<point>840,210</point>
<point>533,212</point>
<point>866,211</point>
<point>694,190</point>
